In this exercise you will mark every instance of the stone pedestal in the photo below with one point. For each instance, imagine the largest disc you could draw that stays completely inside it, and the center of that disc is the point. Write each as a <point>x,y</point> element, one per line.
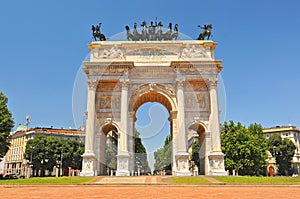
<point>123,164</point>
<point>182,162</point>
<point>88,166</point>
<point>216,164</point>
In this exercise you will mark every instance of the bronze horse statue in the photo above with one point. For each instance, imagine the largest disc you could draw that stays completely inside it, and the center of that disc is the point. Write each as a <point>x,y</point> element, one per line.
<point>135,36</point>
<point>175,33</point>
<point>144,34</point>
<point>97,33</point>
<point>159,34</point>
<point>168,34</point>
<point>206,32</point>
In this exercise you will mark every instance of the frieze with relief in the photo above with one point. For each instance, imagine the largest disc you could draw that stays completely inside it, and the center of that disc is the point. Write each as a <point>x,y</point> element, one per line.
<point>194,100</point>
<point>109,101</point>
<point>194,52</point>
<point>112,53</point>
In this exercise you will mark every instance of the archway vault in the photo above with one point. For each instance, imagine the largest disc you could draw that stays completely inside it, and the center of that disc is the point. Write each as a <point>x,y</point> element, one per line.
<point>153,93</point>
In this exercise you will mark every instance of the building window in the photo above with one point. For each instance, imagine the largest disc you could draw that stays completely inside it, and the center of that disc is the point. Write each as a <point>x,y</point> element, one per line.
<point>267,135</point>
<point>286,134</point>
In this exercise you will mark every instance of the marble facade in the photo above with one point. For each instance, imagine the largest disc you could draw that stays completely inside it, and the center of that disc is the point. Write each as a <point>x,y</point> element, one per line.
<point>181,75</point>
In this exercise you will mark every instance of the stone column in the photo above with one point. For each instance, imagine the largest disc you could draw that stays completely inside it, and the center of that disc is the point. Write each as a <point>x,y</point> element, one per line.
<point>181,154</point>
<point>88,164</point>
<point>216,157</point>
<point>214,115</point>
<point>123,155</point>
<point>131,139</point>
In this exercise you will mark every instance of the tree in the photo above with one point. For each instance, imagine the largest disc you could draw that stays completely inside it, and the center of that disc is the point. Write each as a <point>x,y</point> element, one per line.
<point>44,152</point>
<point>283,150</point>
<point>6,125</point>
<point>195,152</point>
<point>163,156</point>
<point>244,148</point>
<point>140,154</point>
<point>111,157</point>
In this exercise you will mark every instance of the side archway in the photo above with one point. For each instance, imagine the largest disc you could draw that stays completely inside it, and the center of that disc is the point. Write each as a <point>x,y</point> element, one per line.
<point>108,148</point>
<point>197,133</point>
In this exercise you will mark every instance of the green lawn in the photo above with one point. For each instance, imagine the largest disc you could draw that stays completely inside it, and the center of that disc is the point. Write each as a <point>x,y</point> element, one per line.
<point>258,180</point>
<point>48,180</point>
<point>186,180</point>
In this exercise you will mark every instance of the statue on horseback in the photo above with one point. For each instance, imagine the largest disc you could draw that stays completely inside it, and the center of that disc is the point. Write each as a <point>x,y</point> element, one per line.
<point>206,32</point>
<point>97,33</point>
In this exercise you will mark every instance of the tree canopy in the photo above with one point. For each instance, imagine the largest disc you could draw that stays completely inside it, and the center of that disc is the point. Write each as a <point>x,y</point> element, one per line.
<point>283,150</point>
<point>44,152</point>
<point>140,154</point>
<point>163,156</point>
<point>6,125</point>
<point>195,153</point>
<point>244,148</point>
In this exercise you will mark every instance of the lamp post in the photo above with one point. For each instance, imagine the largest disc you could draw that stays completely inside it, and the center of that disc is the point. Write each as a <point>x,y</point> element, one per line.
<point>57,168</point>
<point>274,155</point>
<point>61,162</point>
<point>30,163</point>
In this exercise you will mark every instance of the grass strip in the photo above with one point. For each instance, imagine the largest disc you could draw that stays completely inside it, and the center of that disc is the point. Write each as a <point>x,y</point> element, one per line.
<point>47,180</point>
<point>259,180</point>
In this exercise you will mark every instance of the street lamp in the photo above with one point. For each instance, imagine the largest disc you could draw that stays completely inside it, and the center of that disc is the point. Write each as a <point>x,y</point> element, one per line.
<point>61,162</point>
<point>30,163</point>
<point>274,155</point>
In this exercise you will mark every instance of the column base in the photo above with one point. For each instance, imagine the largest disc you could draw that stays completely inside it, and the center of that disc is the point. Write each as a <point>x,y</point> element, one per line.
<point>216,164</point>
<point>123,164</point>
<point>88,164</point>
<point>182,164</point>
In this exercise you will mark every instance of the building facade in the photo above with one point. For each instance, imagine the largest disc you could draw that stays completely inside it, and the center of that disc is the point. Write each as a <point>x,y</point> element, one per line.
<point>291,133</point>
<point>15,161</point>
<point>180,75</point>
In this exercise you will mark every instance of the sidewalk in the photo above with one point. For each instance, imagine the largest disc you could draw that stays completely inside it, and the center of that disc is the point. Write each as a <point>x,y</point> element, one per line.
<point>136,180</point>
<point>142,180</point>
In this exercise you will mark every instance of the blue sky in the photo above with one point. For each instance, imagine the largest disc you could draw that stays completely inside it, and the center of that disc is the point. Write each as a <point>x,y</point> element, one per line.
<point>42,45</point>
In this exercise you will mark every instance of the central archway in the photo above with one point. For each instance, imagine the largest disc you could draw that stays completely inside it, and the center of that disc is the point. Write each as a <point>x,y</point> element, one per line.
<point>153,134</point>
<point>150,93</point>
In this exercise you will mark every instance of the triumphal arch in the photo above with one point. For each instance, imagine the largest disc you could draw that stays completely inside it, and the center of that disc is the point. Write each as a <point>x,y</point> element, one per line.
<point>182,75</point>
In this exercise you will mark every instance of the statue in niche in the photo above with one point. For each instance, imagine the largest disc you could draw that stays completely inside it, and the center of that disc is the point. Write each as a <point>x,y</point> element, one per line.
<point>97,33</point>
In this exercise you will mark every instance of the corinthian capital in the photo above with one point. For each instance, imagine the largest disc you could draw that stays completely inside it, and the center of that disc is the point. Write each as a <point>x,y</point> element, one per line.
<point>124,83</point>
<point>93,83</point>
<point>212,83</point>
